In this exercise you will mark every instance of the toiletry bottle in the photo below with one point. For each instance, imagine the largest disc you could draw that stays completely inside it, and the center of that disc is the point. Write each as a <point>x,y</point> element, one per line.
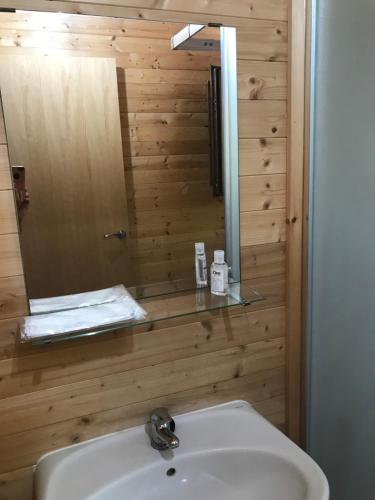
<point>200,265</point>
<point>219,274</point>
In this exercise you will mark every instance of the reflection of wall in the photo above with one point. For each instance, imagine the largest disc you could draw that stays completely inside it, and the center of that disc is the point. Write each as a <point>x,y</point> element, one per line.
<point>163,105</point>
<point>53,396</point>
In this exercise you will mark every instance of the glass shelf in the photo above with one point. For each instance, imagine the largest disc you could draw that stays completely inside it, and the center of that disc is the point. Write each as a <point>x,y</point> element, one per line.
<point>167,306</point>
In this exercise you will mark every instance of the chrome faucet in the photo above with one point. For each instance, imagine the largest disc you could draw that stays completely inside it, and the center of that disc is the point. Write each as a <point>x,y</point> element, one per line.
<point>162,427</point>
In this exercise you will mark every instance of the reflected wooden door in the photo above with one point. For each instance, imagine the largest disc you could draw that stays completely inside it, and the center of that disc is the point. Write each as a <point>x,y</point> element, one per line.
<point>63,125</point>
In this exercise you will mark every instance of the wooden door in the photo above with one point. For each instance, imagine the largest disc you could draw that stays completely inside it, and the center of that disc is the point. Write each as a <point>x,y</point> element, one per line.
<point>63,125</point>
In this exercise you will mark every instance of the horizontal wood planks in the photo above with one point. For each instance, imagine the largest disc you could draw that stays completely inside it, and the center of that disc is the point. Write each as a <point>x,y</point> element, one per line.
<point>12,286</point>
<point>79,429</point>
<point>17,484</point>
<point>144,350</point>
<point>262,192</point>
<point>166,147</point>
<point>164,112</point>
<point>187,363</point>
<point>270,9</point>
<point>263,118</point>
<point>258,261</point>
<point>262,156</point>
<point>262,80</point>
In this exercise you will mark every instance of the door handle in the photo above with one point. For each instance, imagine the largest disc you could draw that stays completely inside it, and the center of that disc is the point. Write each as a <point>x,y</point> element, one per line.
<point>121,234</point>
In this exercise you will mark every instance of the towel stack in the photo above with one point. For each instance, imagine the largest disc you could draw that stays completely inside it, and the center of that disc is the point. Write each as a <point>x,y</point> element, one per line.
<point>80,312</point>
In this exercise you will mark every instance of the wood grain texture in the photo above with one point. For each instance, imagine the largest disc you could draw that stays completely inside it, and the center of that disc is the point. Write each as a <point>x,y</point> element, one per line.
<point>9,347</point>
<point>10,254</point>
<point>271,287</point>
<point>269,395</point>
<point>47,22</point>
<point>5,178</point>
<point>263,260</point>
<point>8,218</point>
<point>163,61</point>
<point>163,91</point>
<point>262,80</point>
<point>82,131</point>
<point>258,9</point>
<point>169,76</point>
<point>267,398</point>
<point>262,156</point>
<point>152,383</point>
<point>13,301</point>
<point>157,148</point>
<point>167,119</point>
<point>263,41</point>
<point>219,369</point>
<point>56,367</point>
<point>265,226</point>
<point>262,119</point>
<point>165,140</point>
<point>17,485</point>
<point>295,212</point>
<point>163,106</point>
<point>262,192</point>
<point>151,79</point>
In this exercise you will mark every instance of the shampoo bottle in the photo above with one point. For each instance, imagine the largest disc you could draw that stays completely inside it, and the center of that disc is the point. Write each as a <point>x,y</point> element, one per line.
<point>200,265</point>
<point>219,274</point>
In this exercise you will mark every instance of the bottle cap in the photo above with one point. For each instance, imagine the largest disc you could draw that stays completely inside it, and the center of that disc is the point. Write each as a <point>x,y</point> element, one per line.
<point>219,256</point>
<point>199,248</point>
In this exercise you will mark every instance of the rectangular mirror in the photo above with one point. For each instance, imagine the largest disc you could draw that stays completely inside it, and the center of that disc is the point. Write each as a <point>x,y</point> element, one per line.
<point>121,162</point>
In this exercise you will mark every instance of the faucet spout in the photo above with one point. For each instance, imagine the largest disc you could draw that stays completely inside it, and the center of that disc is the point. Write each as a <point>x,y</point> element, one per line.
<point>162,430</point>
<point>168,439</point>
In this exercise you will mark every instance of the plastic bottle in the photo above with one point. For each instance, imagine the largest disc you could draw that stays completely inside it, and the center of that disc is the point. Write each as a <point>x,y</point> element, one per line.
<point>200,265</point>
<point>219,274</point>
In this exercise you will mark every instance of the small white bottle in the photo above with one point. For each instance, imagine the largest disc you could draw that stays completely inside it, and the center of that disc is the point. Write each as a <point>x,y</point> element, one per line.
<point>219,274</point>
<point>200,265</point>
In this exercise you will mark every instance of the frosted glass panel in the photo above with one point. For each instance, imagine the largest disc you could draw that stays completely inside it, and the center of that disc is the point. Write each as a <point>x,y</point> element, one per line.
<point>342,255</point>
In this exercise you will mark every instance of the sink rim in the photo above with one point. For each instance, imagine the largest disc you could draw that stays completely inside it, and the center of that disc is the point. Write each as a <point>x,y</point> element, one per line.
<point>271,442</point>
<point>181,465</point>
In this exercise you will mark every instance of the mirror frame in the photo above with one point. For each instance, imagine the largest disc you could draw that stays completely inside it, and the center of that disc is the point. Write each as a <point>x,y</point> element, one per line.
<point>230,151</point>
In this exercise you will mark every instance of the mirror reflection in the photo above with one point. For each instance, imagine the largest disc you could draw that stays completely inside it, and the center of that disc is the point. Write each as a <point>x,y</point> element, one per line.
<point>116,159</point>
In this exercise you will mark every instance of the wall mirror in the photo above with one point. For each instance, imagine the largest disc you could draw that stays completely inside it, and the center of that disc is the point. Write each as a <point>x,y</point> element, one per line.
<point>121,161</point>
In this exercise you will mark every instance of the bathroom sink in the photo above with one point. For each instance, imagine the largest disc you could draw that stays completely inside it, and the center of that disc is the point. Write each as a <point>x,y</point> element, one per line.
<point>227,452</point>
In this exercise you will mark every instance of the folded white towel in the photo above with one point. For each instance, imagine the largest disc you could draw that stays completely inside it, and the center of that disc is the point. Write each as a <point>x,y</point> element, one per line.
<point>82,318</point>
<point>64,302</point>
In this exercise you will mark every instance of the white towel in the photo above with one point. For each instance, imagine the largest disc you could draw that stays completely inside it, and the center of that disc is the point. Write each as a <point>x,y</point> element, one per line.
<point>64,302</point>
<point>82,319</point>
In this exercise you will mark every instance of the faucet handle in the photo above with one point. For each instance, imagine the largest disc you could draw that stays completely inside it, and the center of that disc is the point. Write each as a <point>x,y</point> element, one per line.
<point>162,427</point>
<point>161,416</point>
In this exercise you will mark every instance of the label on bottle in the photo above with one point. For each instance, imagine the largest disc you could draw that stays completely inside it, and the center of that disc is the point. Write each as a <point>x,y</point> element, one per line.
<point>218,280</point>
<point>201,270</point>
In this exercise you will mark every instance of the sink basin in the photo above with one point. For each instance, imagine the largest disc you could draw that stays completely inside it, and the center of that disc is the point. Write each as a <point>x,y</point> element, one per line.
<point>227,452</point>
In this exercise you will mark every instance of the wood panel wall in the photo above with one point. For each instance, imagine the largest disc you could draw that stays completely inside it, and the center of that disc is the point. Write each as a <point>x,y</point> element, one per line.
<point>164,116</point>
<point>53,396</point>
<point>164,119</point>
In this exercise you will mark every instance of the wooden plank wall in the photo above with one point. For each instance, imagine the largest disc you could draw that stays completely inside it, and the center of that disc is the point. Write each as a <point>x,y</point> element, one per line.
<point>53,396</point>
<point>164,119</point>
<point>164,116</point>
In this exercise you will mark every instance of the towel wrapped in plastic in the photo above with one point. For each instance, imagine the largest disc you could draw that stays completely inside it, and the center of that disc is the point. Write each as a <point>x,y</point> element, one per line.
<point>73,301</point>
<point>123,309</point>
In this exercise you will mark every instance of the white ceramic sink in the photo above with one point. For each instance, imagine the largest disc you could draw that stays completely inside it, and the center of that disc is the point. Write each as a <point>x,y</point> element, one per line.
<point>228,452</point>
